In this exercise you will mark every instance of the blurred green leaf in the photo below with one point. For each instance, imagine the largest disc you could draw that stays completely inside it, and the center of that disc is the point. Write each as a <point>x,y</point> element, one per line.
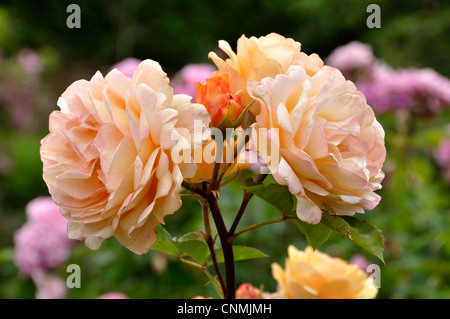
<point>241,253</point>
<point>316,235</point>
<point>362,233</point>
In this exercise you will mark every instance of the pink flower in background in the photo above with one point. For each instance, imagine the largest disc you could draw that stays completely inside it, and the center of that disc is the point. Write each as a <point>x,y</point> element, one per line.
<point>113,295</point>
<point>29,61</point>
<point>360,261</point>
<point>423,91</point>
<point>442,157</point>
<point>49,287</point>
<point>127,66</point>
<point>183,81</point>
<point>44,211</point>
<point>42,243</point>
<point>355,60</point>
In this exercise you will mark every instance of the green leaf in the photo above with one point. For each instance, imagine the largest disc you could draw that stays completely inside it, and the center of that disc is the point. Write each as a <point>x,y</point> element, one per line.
<point>276,195</point>
<point>194,245</point>
<point>316,235</point>
<point>241,253</point>
<point>362,233</point>
<point>164,242</point>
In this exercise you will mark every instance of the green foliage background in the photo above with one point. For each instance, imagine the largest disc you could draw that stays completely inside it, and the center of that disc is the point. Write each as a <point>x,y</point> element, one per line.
<point>414,211</point>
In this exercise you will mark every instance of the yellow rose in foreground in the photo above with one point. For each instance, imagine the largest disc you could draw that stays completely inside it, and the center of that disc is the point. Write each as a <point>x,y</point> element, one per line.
<point>314,275</point>
<point>257,58</point>
<point>108,157</point>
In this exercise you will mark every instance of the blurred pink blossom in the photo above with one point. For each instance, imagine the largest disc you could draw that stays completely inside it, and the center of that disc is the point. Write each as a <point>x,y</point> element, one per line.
<point>49,287</point>
<point>44,211</point>
<point>183,81</point>
<point>113,295</point>
<point>127,66</point>
<point>355,60</point>
<point>29,61</point>
<point>42,243</point>
<point>423,91</point>
<point>360,261</point>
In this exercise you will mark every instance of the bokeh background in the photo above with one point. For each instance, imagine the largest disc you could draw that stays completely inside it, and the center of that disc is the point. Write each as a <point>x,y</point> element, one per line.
<point>40,56</point>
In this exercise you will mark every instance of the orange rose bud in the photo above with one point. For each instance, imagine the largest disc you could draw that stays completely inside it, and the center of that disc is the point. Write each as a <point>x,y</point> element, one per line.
<point>216,96</point>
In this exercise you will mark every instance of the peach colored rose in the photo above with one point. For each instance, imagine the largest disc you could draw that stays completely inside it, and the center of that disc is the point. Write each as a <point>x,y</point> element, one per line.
<point>257,58</point>
<point>107,160</point>
<point>311,274</point>
<point>216,96</point>
<point>330,146</point>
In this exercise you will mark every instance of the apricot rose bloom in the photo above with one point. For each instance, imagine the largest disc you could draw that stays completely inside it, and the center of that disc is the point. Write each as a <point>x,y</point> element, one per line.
<point>257,58</point>
<point>330,146</point>
<point>312,274</point>
<point>107,159</point>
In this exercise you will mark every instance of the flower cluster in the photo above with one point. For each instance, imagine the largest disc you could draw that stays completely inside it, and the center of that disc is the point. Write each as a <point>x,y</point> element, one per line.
<point>112,157</point>
<point>20,86</point>
<point>421,91</point>
<point>42,244</point>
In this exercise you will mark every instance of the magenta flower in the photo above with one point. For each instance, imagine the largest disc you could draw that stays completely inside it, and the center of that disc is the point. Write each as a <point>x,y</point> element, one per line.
<point>183,81</point>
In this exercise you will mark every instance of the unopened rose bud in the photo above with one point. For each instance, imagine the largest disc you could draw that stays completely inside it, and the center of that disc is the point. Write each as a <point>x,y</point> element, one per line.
<point>221,104</point>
